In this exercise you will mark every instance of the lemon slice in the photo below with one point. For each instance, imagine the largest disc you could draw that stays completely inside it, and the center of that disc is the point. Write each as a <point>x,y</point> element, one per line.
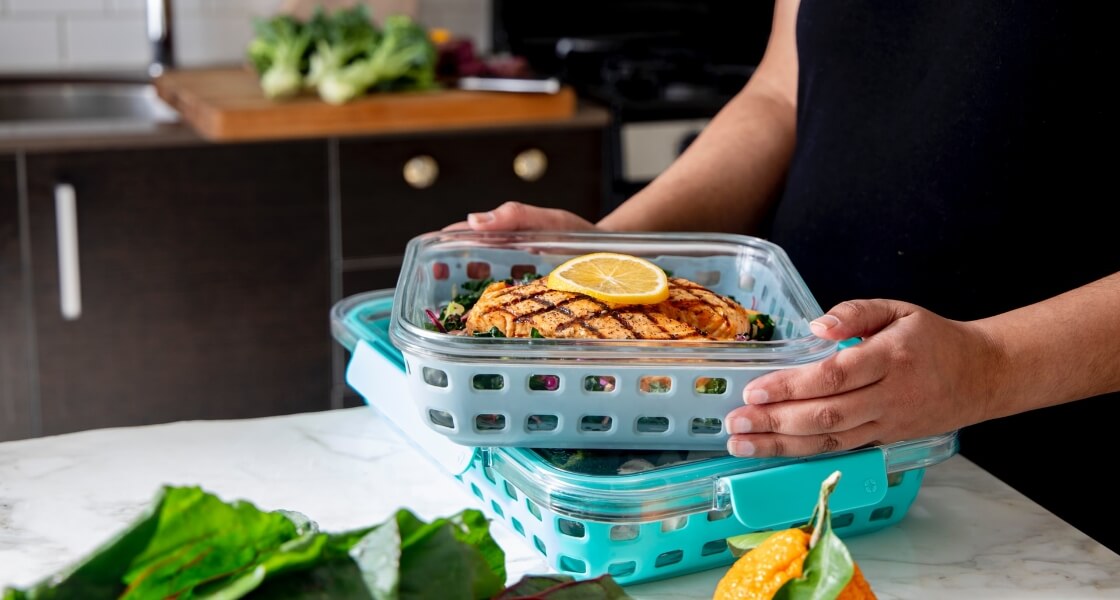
<point>611,277</point>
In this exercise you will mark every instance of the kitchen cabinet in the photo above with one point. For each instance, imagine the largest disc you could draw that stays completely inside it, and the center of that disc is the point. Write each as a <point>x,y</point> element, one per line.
<point>200,288</point>
<point>393,189</point>
<point>17,403</point>
<point>197,277</point>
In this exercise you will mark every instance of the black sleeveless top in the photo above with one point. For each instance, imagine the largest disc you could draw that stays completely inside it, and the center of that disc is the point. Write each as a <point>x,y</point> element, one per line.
<point>960,155</point>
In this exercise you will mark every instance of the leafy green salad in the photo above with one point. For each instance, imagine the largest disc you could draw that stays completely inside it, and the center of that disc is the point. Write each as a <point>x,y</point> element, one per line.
<point>190,544</point>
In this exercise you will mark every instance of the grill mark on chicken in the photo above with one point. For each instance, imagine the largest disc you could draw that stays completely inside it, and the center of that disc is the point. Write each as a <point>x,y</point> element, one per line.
<point>691,312</point>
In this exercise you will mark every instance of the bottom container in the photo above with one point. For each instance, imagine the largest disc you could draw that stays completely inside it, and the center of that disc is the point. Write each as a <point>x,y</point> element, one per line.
<point>636,515</point>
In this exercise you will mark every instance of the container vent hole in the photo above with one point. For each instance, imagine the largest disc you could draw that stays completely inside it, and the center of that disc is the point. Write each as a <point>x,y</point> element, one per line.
<point>882,513</point>
<point>674,524</point>
<point>478,270</point>
<point>706,426</point>
<point>621,533</point>
<point>622,569</point>
<point>488,381</point>
<point>489,422</point>
<point>434,377</point>
<point>441,418</point>
<point>655,384</point>
<point>520,271</point>
<point>489,473</point>
<point>710,385</point>
<point>517,526</point>
<point>713,547</point>
<point>533,509</point>
<point>720,514</point>
<point>844,520</point>
<point>542,422</point>
<point>477,492</point>
<point>572,565</point>
<point>440,271</point>
<point>653,424</point>
<point>596,423</point>
<point>497,509</point>
<point>540,545</point>
<point>571,528</point>
<point>895,479</point>
<point>510,491</point>
<point>671,557</point>
<point>599,383</point>
<point>707,279</point>
<point>544,383</point>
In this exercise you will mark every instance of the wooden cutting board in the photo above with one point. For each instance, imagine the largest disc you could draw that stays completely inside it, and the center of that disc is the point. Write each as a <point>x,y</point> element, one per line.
<point>227,105</point>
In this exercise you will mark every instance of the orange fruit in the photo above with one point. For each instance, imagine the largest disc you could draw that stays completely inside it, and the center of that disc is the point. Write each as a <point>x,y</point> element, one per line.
<point>611,277</point>
<point>760,573</point>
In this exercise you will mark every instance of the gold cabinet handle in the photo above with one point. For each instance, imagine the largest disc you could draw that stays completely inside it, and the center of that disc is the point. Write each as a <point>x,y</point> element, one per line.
<point>421,171</point>
<point>531,164</point>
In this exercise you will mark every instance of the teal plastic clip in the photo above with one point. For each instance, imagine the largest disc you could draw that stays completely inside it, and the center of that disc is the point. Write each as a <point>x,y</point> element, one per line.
<point>757,503</point>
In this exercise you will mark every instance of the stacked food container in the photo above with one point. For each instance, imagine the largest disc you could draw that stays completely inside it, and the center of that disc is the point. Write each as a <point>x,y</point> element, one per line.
<point>608,456</point>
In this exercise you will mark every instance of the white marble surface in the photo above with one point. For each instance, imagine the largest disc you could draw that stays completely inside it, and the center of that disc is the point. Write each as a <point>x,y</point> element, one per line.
<point>966,536</point>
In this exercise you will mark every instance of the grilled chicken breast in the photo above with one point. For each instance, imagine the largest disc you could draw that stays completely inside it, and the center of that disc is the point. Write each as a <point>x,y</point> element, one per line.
<point>691,312</point>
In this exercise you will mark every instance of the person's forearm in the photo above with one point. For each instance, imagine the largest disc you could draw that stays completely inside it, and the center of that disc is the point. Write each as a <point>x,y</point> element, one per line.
<point>726,179</point>
<point>1062,349</point>
<point>730,175</point>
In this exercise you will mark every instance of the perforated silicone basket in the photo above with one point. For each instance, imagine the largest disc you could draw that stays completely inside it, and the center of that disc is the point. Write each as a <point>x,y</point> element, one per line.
<point>593,393</point>
<point>637,515</point>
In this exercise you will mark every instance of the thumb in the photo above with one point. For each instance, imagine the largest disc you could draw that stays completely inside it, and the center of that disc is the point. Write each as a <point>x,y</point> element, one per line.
<point>859,318</point>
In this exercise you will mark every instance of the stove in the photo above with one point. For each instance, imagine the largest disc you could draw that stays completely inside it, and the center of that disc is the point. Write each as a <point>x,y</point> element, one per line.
<point>661,67</point>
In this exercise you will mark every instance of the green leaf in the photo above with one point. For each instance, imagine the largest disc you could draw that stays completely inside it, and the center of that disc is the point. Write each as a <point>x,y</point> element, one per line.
<point>436,563</point>
<point>190,544</point>
<point>828,568</point>
<point>741,544</point>
<point>201,539</point>
<point>563,587</point>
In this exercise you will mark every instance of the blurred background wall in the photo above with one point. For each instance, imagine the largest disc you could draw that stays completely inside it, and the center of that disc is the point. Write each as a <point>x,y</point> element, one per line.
<point>38,36</point>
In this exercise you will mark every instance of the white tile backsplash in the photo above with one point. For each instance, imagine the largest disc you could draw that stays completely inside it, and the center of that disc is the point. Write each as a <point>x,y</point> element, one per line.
<point>56,6</point>
<point>126,5</point>
<point>203,41</point>
<point>68,35</point>
<point>30,45</point>
<point>106,42</point>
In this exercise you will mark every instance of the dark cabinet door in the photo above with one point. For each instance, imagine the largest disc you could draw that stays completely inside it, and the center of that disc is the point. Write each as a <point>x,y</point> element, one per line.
<point>393,189</point>
<point>382,210</point>
<point>17,402</point>
<point>180,283</point>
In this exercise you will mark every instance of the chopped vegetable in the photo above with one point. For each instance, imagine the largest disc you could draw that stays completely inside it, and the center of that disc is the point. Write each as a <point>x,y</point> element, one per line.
<point>280,52</point>
<point>404,58</point>
<point>339,39</point>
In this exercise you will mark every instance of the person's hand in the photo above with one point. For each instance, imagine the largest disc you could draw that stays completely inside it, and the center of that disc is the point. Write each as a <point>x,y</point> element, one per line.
<point>914,374</point>
<point>516,216</point>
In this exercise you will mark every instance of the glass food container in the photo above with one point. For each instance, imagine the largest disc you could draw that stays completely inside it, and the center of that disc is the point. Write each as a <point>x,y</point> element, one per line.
<point>593,393</point>
<point>638,515</point>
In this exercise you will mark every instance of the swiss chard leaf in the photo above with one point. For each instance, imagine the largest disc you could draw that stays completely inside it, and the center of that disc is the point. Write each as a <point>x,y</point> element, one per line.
<point>436,562</point>
<point>563,587</point>
<point>188,543</point>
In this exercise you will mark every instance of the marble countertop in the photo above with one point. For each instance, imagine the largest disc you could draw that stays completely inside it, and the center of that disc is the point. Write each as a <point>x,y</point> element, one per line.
<point>966,536</point>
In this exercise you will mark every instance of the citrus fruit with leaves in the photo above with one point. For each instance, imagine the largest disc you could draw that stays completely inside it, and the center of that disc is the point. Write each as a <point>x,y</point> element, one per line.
<point>808,562</point>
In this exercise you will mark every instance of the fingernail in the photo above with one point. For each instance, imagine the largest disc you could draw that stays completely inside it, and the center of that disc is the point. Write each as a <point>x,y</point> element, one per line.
<point>480,218</point>
<point>824,323</point>
<point>755,396</point>
<point>740,448</point>
<point>740,425</point>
